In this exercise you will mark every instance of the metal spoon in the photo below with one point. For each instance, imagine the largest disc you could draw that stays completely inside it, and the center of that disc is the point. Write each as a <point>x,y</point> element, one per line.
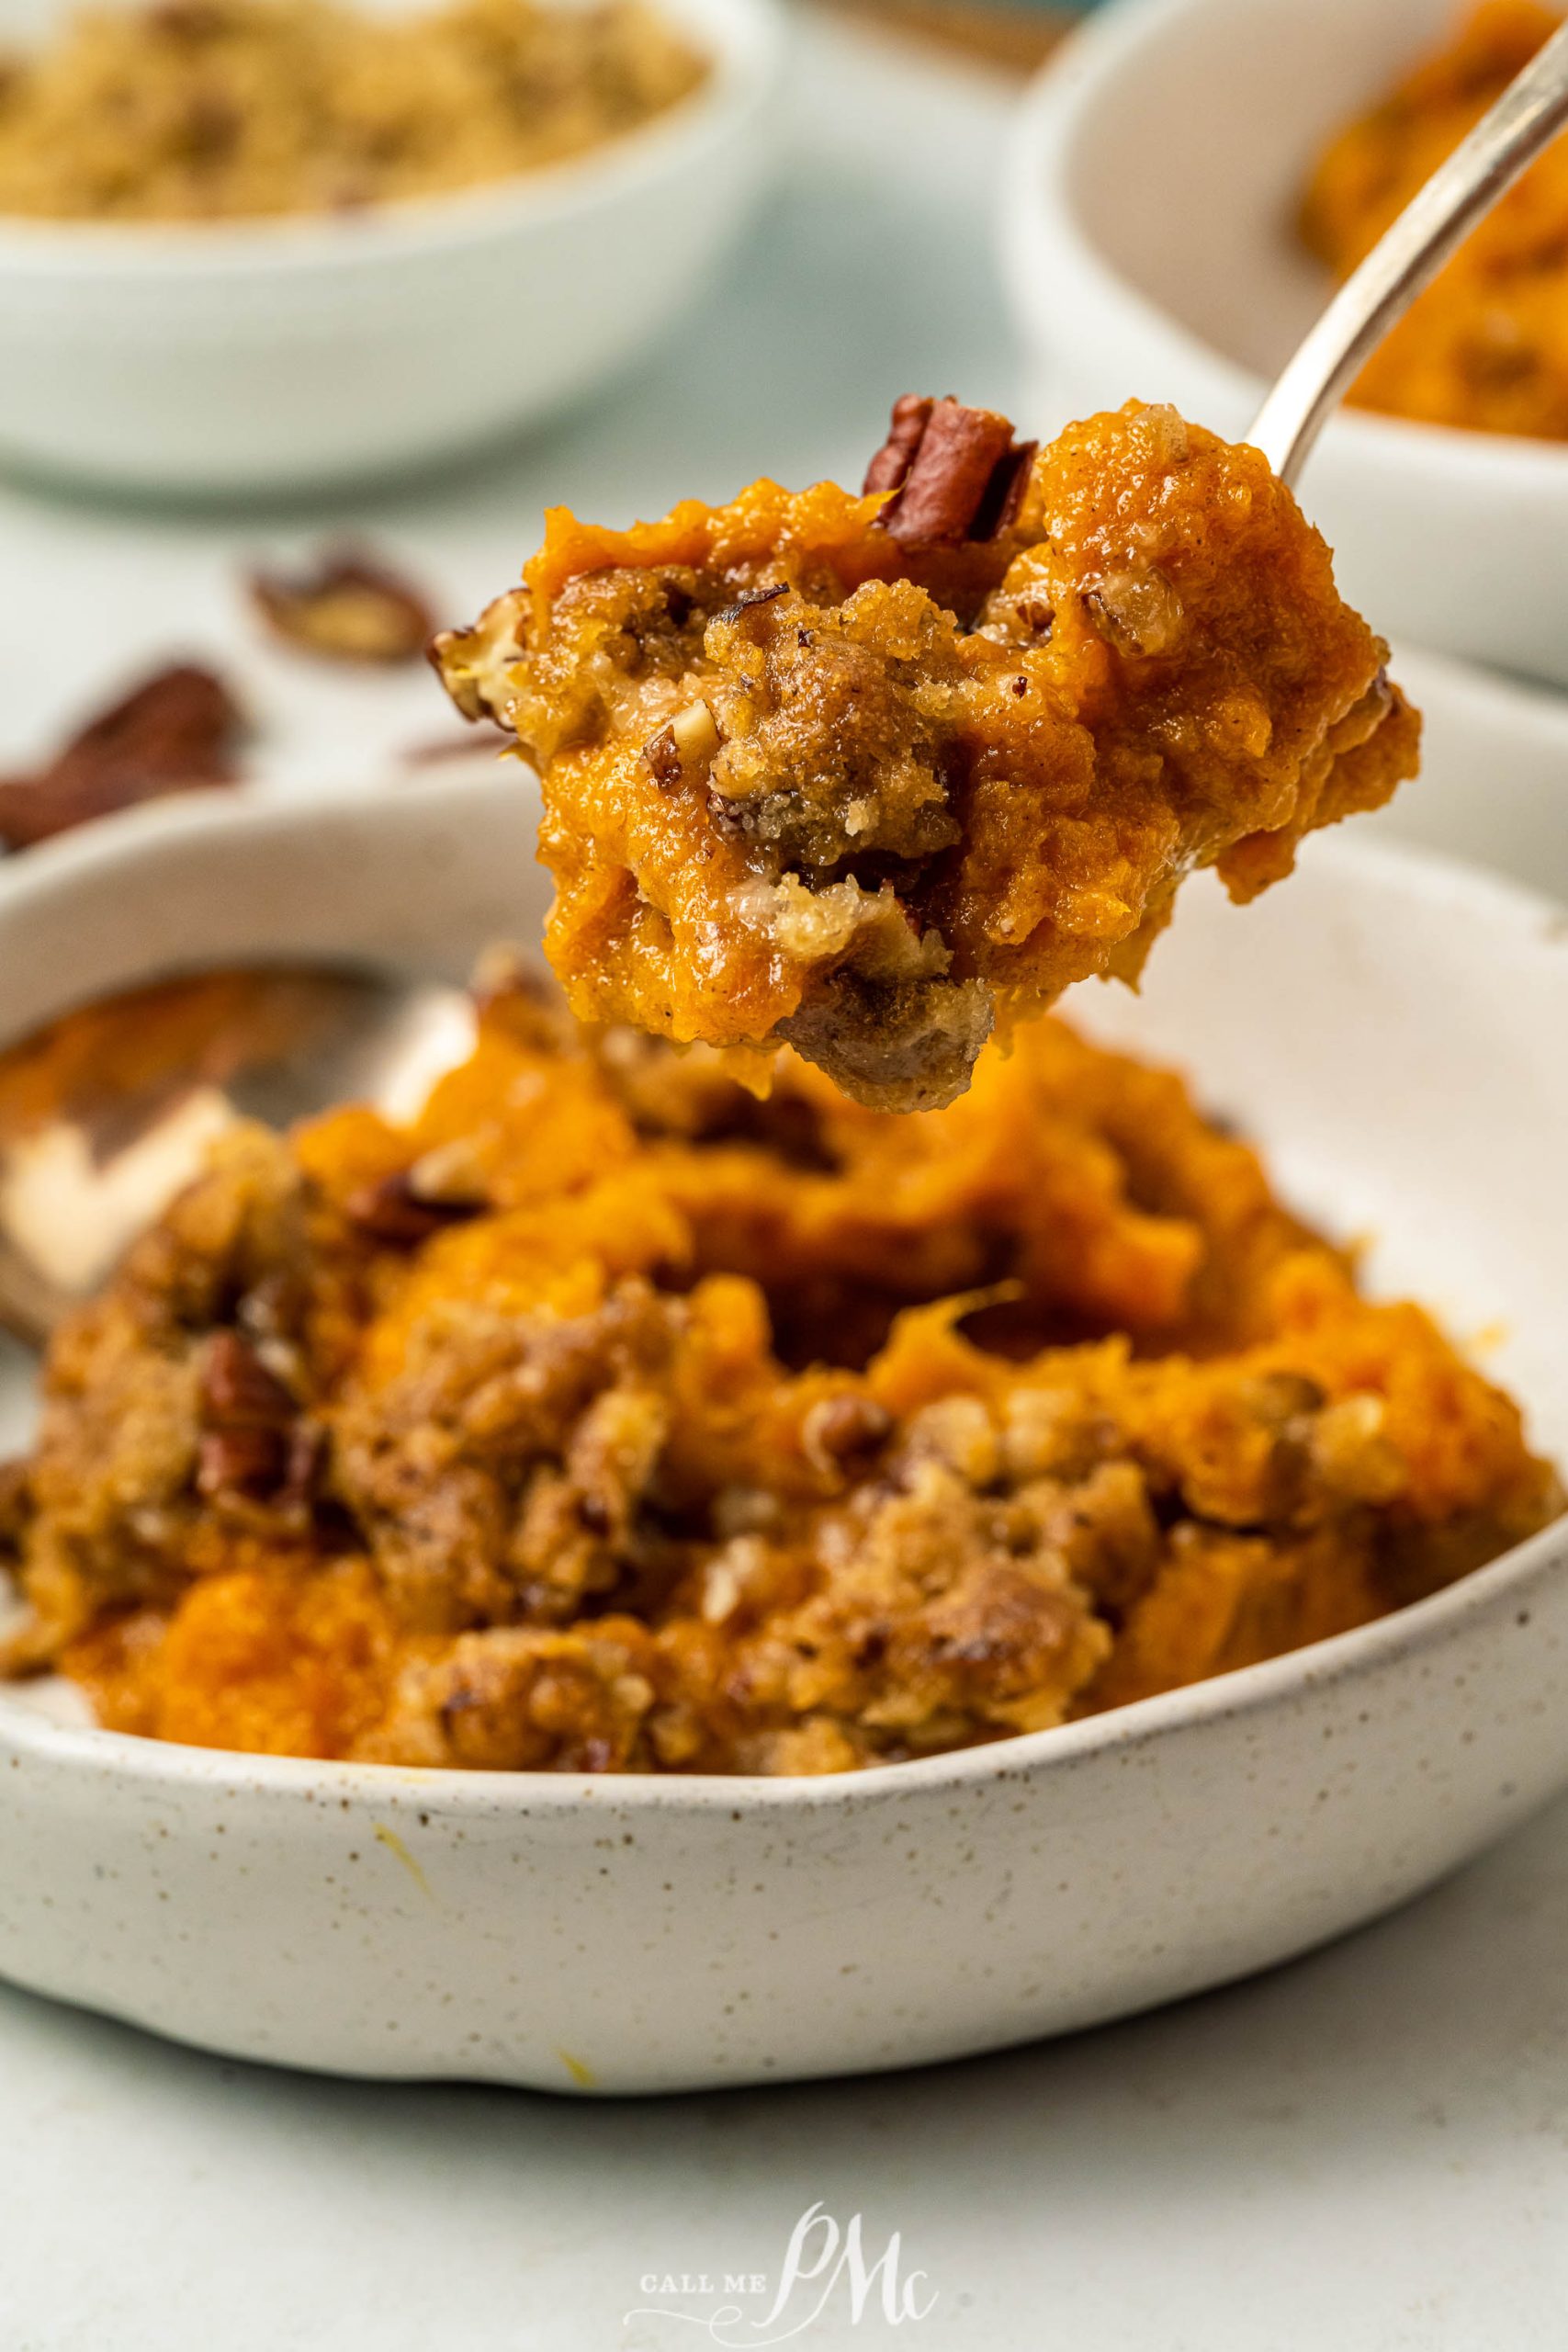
<point>1409,256</point>
<point>106,1114</point>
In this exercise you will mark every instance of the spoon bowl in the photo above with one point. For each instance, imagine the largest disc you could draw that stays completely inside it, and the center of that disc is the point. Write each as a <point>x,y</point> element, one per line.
<point>108,1111</point>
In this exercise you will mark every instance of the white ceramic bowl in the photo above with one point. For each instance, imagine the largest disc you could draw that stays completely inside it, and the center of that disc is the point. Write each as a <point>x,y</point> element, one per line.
<point>638,1935</point>
<point>1149,252</point>
<point>254,356</point>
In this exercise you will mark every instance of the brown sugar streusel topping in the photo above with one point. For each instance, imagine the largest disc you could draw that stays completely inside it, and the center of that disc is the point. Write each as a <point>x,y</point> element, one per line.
<point>732,1435</point>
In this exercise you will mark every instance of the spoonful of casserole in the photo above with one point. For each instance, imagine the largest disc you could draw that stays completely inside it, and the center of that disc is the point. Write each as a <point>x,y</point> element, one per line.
<point>877,776</point>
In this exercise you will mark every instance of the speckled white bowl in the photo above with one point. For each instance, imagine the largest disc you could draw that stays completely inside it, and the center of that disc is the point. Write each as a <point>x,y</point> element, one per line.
<point>1149,247</point>
<point>1391,1026</point>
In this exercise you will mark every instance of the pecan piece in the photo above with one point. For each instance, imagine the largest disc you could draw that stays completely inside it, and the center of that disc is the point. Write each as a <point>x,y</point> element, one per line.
<point>686,746</point>
<point>348,607</point>
<point>889,469</point>
<point>237,1389</point>
<point>749,599</point>
<point>179,732</point>
<point>664,757</point>
<point>398,1216</point>
<point>955,473</point>
<point>187,20</point>
<point>249,1432</point>
<point>846,1432</point>
<point>241,1462</point>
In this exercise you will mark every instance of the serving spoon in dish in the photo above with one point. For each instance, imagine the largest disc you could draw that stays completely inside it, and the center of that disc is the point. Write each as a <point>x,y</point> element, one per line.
<point>108,1111</point>
<point>105,1115</point>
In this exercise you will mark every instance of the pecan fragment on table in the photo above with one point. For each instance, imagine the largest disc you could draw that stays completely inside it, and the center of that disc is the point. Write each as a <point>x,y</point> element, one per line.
<point>346,607</point>
<point>179,732</point>
<point>955,473</point>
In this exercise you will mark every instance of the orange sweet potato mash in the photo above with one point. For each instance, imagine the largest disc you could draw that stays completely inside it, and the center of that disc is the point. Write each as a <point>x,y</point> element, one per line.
<point>1487,346</point>
<point>611,1419</point>
<point>870,775</point>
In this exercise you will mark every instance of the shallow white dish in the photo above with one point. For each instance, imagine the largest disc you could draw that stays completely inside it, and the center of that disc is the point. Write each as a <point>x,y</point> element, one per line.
<point>1149,252</point>
<point>641,1935</point>
<point>252,356</point>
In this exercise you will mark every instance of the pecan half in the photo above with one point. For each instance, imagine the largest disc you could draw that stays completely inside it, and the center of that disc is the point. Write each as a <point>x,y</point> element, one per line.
<point>179,732</point>
<point>347,607</point>
<point>398,1215</point>
<point>250,1435</point>
<point>237,1389</point>
<point>955,473</point>
<point>889,467</point>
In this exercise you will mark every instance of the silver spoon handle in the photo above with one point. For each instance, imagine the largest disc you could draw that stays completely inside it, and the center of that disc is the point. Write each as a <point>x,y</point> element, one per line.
<point>1527,117</point>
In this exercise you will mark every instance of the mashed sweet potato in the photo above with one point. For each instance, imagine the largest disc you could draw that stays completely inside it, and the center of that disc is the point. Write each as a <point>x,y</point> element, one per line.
<point>1487,346</point>
<point>611,1420</point>
<point>870,775</point>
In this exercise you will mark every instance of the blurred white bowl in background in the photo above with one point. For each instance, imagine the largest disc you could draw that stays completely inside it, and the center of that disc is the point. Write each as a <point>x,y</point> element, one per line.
<point>272,354</point>
<point>1148,240</point>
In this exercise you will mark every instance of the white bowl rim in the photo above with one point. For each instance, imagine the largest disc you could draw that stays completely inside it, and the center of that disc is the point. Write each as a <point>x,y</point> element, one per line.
<point>1039,219</point>
<point>1479,896</point>
<point>745,41</point>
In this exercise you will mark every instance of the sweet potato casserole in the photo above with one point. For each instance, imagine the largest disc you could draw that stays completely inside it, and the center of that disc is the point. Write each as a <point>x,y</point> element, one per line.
<point>609,1419</point>
<point>1487,346</point>
<point>870,775</point>
<point>220,109</point>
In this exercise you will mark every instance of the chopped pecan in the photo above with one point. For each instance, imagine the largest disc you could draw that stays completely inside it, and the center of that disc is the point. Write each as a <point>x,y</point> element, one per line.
<point>398,1216</point>
<point>255,1442</point>
<point>664,757</point>
<point>15,1501</point>
<point>187,20</point>
<point>348,607</point>
<point>846,1432</point>
<point>302,1466</point>
<point>750,600</point>
<point>1138,612</point>
<point>684,746</point>
<point>179,732</point>
<point>252,1462</point>
<point>955,473</point>
<point>237,1389</point>
<point>210,131</point>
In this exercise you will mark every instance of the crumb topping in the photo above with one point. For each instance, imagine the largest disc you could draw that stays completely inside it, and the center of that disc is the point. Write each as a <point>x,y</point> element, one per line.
<point>612,1418</point>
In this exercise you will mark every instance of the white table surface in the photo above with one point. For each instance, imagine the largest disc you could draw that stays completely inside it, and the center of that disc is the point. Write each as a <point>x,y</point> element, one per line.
<point>1366,2150</point>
